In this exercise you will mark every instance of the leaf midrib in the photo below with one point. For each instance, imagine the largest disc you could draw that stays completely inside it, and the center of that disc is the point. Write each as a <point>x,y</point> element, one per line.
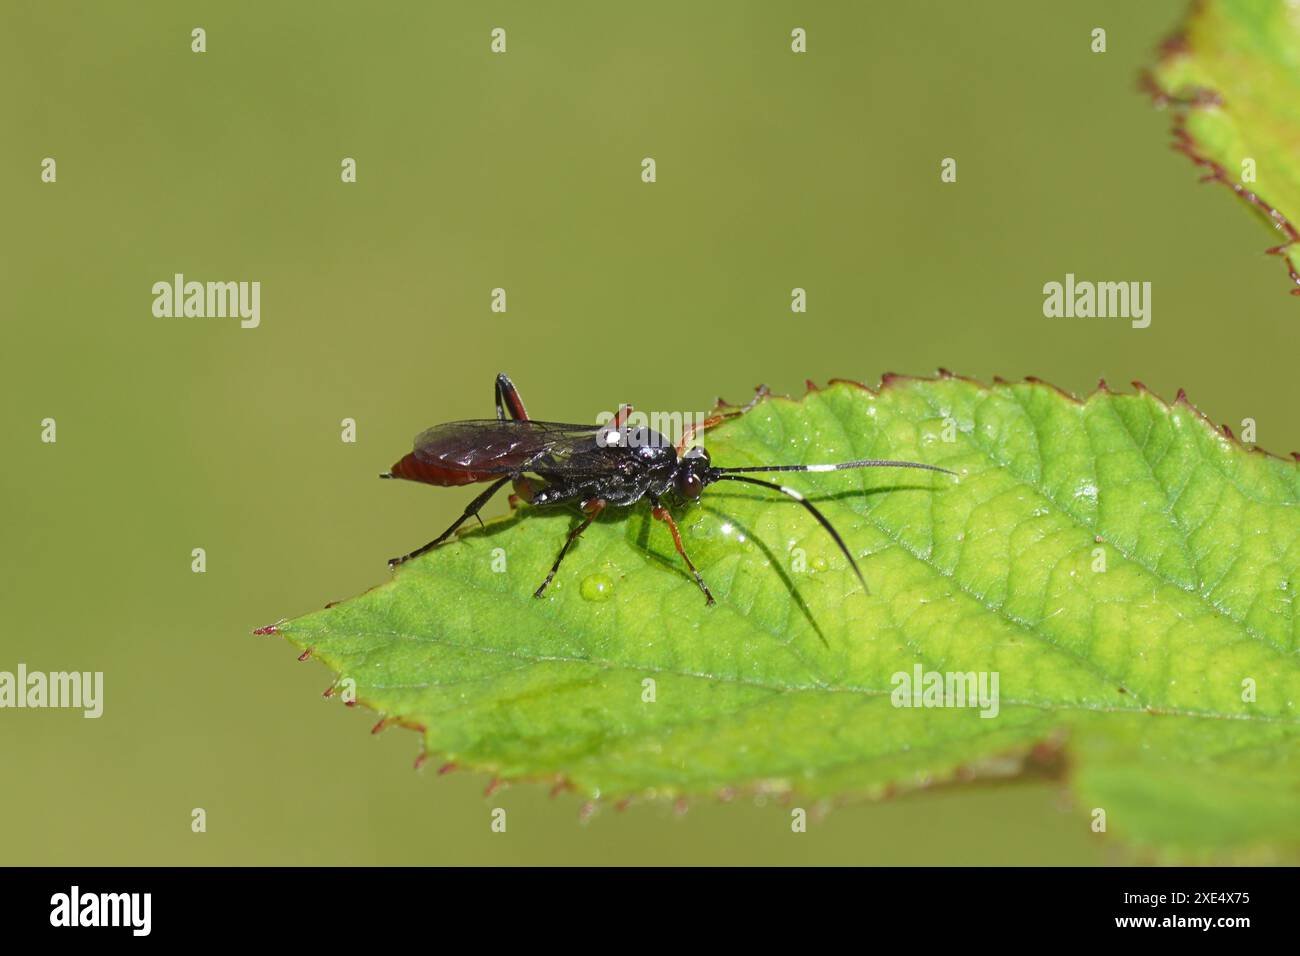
<point>638,668</point>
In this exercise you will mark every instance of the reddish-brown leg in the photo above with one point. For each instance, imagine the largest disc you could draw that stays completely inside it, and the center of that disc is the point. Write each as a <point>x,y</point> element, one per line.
<point>662,514</point>
<point>508,400</point>
<point>718,417</point>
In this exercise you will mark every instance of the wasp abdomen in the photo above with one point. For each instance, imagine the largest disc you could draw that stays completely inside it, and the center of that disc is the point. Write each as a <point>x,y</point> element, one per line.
<point>413,469</point>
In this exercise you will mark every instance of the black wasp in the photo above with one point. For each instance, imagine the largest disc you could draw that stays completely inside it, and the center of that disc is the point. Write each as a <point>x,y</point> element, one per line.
<point>595,466</point>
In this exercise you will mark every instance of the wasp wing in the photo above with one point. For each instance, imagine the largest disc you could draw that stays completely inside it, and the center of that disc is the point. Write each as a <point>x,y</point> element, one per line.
<point>491,446</point>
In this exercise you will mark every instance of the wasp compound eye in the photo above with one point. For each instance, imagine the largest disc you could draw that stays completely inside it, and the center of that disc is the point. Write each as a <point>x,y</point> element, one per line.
<point>690,486</point>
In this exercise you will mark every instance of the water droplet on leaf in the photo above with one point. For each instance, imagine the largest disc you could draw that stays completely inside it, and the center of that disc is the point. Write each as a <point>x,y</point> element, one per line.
<point>596,587</point>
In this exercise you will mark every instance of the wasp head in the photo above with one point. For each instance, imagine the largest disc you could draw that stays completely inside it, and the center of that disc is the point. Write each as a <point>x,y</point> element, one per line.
<point>692,473</point>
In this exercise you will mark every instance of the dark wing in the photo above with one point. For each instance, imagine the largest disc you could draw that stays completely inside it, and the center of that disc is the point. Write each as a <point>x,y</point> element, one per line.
<point>490,446</point>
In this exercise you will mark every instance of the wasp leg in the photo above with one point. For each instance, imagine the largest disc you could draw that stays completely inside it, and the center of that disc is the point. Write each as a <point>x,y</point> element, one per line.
<point>471,511</point>
<point>508,400</point>
<point>591,509</point>
<point>688,433</point>
<point>662,513</point>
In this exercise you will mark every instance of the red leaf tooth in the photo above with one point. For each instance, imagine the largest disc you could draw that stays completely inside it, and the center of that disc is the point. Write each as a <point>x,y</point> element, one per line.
<point>891,379</point>
<point>1202,98</point>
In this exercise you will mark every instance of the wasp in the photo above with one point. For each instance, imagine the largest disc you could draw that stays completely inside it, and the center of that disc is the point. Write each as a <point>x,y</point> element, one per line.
<point>614,465</point>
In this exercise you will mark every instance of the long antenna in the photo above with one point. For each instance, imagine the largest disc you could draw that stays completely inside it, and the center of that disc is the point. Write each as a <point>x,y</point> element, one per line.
<point>861,463</point>
<point>791,493</point>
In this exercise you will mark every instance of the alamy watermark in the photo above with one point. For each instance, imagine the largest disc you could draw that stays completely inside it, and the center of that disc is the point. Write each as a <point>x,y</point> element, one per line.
<point>653,429</point>
<point>208,300</point>
<point>922,688</point>
<point>1103,300</point>
<point>76,908</point>
<point>82,690</point>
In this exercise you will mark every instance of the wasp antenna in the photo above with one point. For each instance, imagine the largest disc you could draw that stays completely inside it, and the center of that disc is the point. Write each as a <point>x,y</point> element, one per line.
<point>821,518</point>
<point>841,466</point>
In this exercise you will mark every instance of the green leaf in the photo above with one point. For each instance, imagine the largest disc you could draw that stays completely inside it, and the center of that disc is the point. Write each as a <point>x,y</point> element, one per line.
<point>1127,570</point>
<point>1232,75</point>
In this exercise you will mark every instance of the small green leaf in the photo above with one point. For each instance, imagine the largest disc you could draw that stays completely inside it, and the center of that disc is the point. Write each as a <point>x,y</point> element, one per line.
<point>1233,76</point>
<point>1128,571</point>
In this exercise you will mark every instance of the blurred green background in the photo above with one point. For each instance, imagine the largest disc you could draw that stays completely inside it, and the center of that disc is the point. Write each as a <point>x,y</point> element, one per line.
<point>522,171</point>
